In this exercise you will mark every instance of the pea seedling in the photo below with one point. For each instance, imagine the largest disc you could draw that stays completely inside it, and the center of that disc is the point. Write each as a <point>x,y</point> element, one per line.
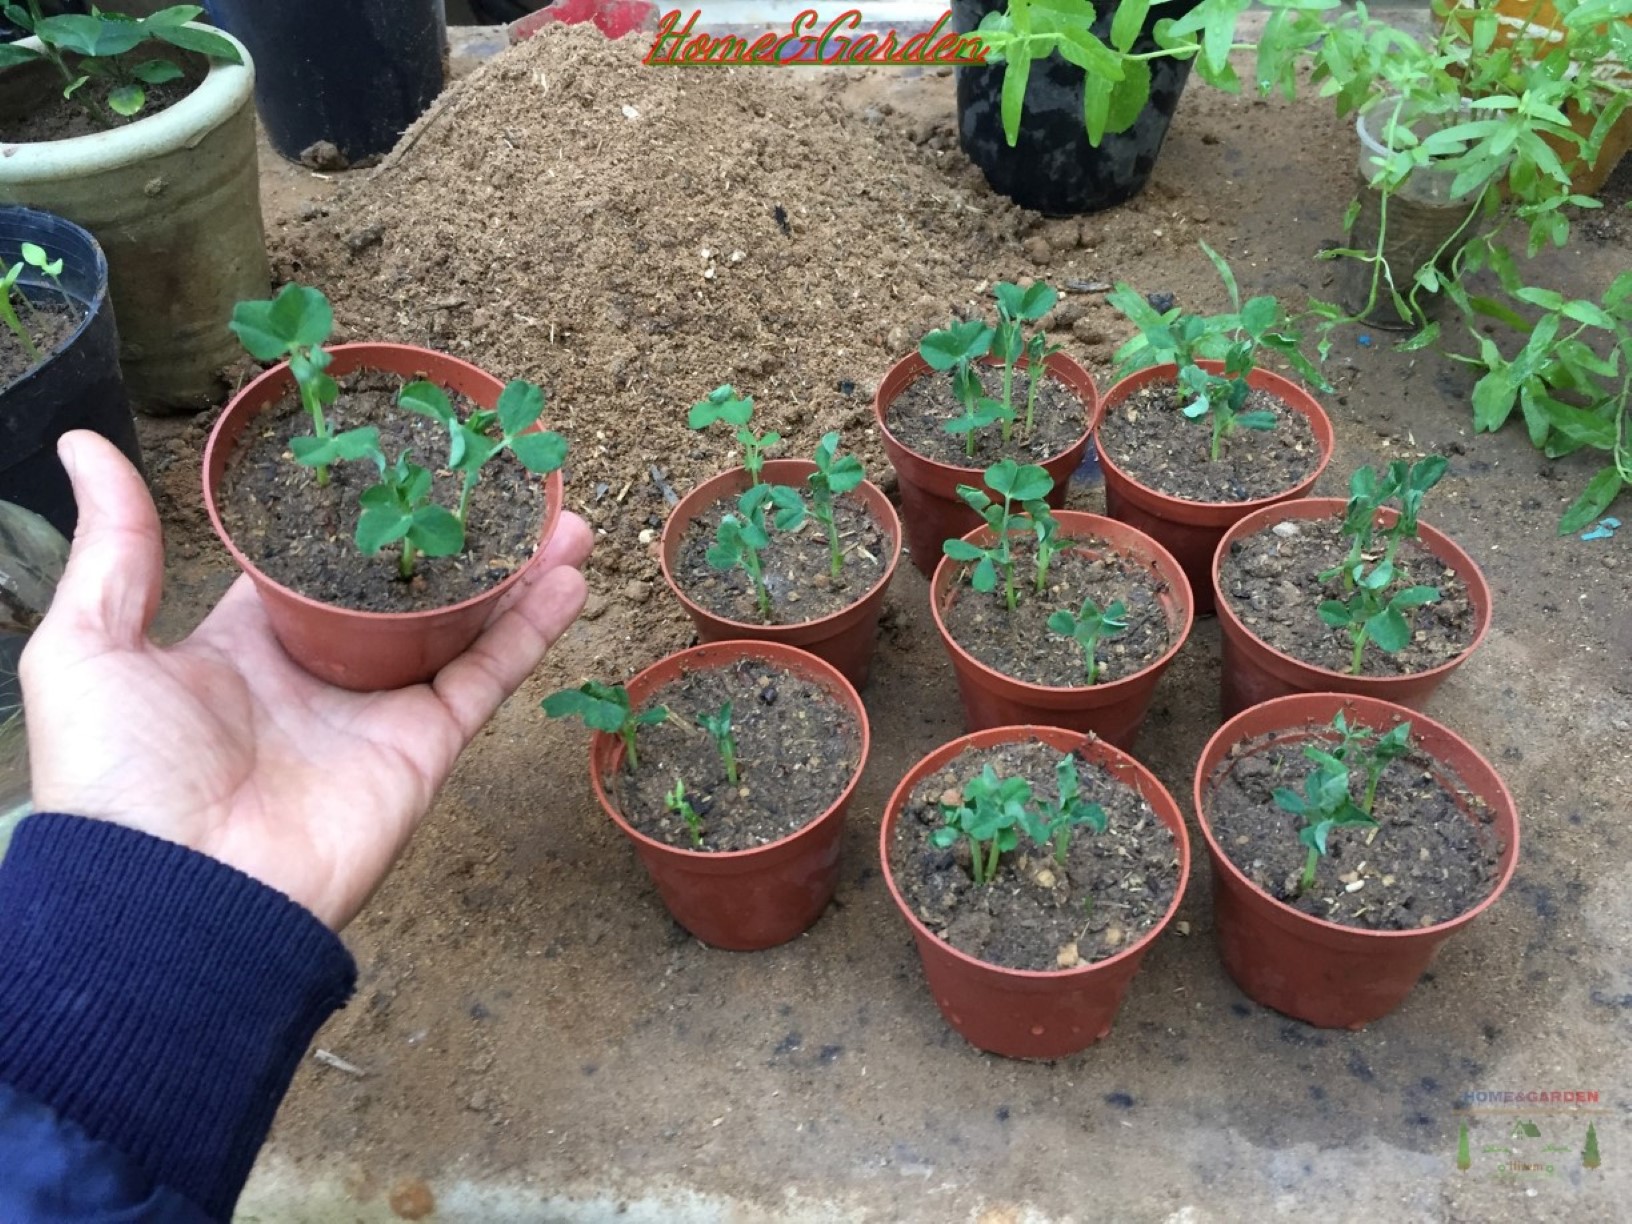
<point>1015,308</point>
<point>956,348</point>
<point>605,707</point>
<point>1045,529</point>
<point>1014,483</point>
<point>1088,627</point>
<point>1372,615</point>
<point>741,537</point>
<point>718,725</point>
<point>1050,824</point>
<point>1352,749</point>
<point>677,803</point>
<point>400,508</point>
<point>724,404</point>
<point>1325,804</point>
<point>8,312</point>
<point>1409,483</point>
<point>834,475</point>
<point>991,810</point>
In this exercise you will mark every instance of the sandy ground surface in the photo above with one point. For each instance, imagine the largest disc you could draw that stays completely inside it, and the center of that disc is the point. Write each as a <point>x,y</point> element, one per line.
<point>540,1042</point>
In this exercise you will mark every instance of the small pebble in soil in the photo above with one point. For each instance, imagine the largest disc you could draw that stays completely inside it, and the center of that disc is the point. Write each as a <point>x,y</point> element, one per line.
<point>1161,300</point>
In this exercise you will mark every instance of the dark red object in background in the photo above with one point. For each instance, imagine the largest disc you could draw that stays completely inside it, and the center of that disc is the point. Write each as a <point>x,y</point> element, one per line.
<point>614,18</point>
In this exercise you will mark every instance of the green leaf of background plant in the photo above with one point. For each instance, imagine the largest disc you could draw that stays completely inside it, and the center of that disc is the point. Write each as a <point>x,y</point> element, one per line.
<point>11,55</point>
<point>156,71</point>
<point>1015,76</point>
<point>96,37</point>
<point>205,42</point>
<point>1597,497</point>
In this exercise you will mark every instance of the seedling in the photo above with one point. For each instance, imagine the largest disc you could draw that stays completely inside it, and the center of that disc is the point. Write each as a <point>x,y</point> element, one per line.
<point>741,537</point>
<point>991,810</point>
<point>677,803</point>
<point>400,508</point>
<point>1015,308</point>
<point>605,707</point>
<point>956,348</point>
<point>1325,804</point>
<point>1088,627</point>
<point>1014,483</point>
<point>293,327</point>
<point>724,404</point>
<point>834,475</point>
<point>1352,751</point>
<point>718,725</point>
<point>1050,824</point>
<point>1045,529</point>
<point>1406,482</point>
<point>8,313</point>
<point>1371,615</point>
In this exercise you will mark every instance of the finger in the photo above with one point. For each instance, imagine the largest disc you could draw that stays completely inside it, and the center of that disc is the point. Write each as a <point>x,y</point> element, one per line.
<point>570,544</point>
<point>115,569</point>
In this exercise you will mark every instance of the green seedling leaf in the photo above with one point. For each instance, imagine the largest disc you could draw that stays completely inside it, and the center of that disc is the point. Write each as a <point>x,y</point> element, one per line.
<point>519,408</point>
<point>722,404</point>
<point>605,707</point>
<point>1088,627</point>
<point>958,344</point>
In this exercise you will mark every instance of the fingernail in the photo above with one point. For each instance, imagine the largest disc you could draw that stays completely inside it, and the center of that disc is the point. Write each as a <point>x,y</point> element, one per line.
<point>67,454</point>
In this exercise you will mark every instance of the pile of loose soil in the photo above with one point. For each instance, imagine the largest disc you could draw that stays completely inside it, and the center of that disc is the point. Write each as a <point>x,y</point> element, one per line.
<point>1272,582</point>
<point>1037,914</point>
<point>797,750</point>
<point>1435,855</point>
<point>1149,437</point>
<point>301,535</point>
<point>49,325</point>
<point>1020,643</point>
<point>33,110</point>
<point>797,567</point>
<point>918,415</point>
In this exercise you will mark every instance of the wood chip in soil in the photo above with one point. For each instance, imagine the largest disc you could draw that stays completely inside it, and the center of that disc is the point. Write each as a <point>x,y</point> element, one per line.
<point>1272,582</point>
<point>1436,854</point>
<point>796,567</point>
<point>918,415</point>
<point>1150,439</point>
<point>49,325</point>
<point>33,110</point>
<point>1036,914</point>
<point>301,535</point>
<point>1020,643</point>
<point>797,750</point>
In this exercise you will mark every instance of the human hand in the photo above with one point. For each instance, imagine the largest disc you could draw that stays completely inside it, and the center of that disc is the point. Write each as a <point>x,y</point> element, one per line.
<point>223,744</point>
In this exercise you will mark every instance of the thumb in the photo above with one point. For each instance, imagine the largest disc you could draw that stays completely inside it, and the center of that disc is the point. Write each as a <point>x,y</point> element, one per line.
<point>115,569</point>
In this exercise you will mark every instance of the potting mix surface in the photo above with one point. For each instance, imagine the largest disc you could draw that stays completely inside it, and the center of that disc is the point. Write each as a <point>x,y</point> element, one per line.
<point>796,567</point>
<point>301,534</point>
<point>539,1038</point>
<point>1150,439</point>
<point>797,748</point>
<point>48,325</point>
<point>1037,913</point>
<point>86,112</point>
<point>1020,644</point>
<point>1434,854</point>
<point>919,415</point>
<point>1272,580</point>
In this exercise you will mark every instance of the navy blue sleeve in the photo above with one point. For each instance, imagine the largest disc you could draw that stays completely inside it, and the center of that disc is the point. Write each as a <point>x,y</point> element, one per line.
<point>156,1002</point>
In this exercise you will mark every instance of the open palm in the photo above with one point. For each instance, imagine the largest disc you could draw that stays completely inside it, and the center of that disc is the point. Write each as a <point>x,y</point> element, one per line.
<point>224,745</point>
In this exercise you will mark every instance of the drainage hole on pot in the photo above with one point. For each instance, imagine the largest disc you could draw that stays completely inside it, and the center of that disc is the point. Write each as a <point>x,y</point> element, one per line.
<point>1036,1030</point>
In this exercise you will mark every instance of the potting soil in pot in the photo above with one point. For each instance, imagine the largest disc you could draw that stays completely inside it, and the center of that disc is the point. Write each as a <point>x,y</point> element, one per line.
<point>1434,856</point>
<point>796,567</point>
<point>1272,580</point>
<point>37,111</point>
<point>796,748</point>
<point>1149,437</point>
<point>49,324</point>
<point>918,416</point>
<point>1037,913</point>
<point>301,535</point>
<point>1020,643</point>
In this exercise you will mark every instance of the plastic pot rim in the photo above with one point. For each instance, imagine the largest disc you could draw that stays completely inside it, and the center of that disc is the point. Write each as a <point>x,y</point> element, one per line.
<point>1047,695</point>
<point>1056,737</point>
<point>1227,736</point>
<point>554,487</point>
<point>718,655</point>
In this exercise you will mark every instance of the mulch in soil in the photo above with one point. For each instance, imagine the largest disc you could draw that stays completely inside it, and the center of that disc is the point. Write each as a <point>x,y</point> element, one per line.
<point>1037,914</point>
<point>796,567</point>
<point>798,748</point>
<point>35,111</point>
<point>1020,643</point>
<point>1435,855</point>
<point>49,325</point>
<point>1271,580</point>
<point>1149,438</point>
<point>301,535</point>
<point>918,415</point>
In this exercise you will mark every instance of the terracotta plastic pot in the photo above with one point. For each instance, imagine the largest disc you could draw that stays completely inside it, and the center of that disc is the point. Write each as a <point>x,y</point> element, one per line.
<point>1114,710</point>
<point>366,651</point>
<point>743,900</point>
<point>1190,530</point>
<point>1317,971</point>
<point>1022,1013</point>
<point>930,506</point>
<point>845,639</point>
<point>1255,671</point>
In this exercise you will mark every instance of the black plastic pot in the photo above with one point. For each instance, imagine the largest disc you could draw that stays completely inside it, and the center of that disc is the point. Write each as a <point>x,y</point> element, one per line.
<point>76,387</point>
<point>355,74</point>
<point>1052,168</point>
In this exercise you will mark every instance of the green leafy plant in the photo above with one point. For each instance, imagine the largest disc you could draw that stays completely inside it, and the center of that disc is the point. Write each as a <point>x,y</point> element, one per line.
<point>834,476</point>
<point>1089,627</point>
<point>1045,531</point>
<point>955,349</point>
<point>1359,747</point>
<point>8,312</point>
<point>1371,614</point>
<point>399,510</point>
<point>718,726</point>
<point>97,47</point>
<point>991,810</point>
<point>1015,484</point>
<point>1324,805</point>
<point>741,537</point>
<point>1015,308</point>
<point>1051,824</point>
<point>293,327</point>
<point>675,800</point>
<point>724,404</point>
<point>605,707</point>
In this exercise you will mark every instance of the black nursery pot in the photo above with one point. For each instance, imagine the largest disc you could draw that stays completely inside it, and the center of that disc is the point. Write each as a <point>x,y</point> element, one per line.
<point>1052,168</point>
<point>355,74</point>
<point>76,387</point>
